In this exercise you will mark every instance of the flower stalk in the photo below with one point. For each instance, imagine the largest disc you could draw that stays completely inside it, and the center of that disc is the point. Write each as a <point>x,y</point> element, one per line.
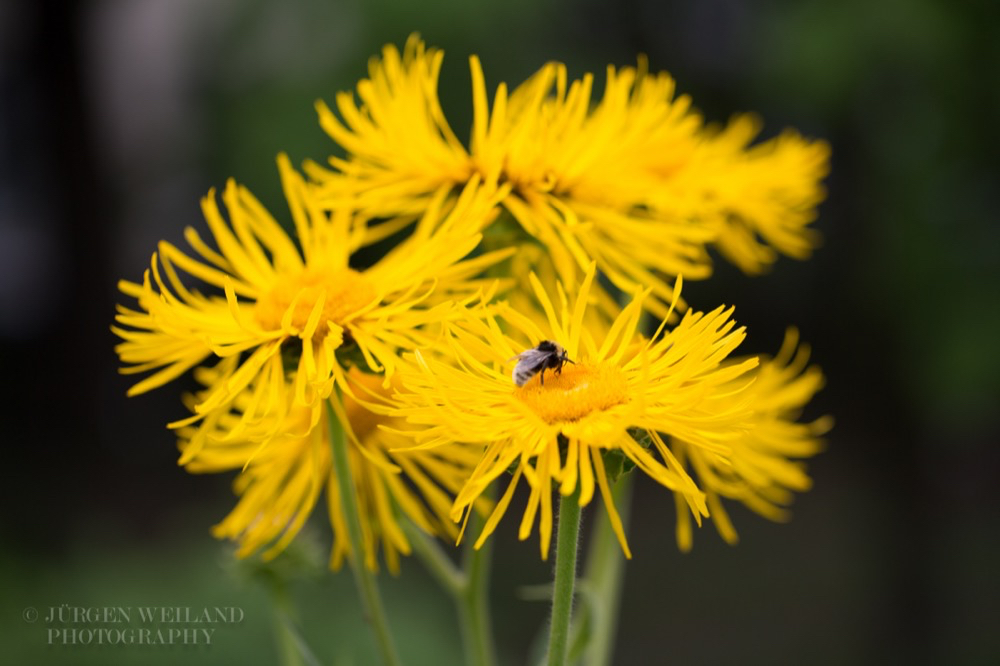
<point>468,588</point>
<point>364,579</point>
<point>473,606</point>
<point>604,575</point>
<point>567,541</point>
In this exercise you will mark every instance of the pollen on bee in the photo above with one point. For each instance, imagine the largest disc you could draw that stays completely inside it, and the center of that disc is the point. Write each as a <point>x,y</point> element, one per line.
<point>578,391</point>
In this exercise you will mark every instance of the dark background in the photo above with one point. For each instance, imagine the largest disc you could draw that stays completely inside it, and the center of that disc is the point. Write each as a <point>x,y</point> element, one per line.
<point>117,116</point>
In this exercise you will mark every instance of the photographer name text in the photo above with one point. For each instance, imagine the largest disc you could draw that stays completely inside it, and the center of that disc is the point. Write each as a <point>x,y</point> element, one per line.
<point>116,625</point>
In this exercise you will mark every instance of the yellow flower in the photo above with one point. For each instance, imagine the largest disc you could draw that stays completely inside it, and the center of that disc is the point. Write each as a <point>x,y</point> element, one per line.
<point>761,469</point>
<point>633,180</point>
<point>617,396</point>
<point>768,193</point>
<point>286,467</point>
<point>295,307</point>
<point>400,147</point>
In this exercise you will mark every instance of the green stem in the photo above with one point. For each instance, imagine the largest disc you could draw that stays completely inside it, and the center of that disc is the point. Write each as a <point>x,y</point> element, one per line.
<point>364,579</point>
<point>468,588</point>
<point>295,650</point>
<point>604,575</point>
<point>284,616</point>
<point>435,561</point>
<point>565,576</point>
<point>473,607</point>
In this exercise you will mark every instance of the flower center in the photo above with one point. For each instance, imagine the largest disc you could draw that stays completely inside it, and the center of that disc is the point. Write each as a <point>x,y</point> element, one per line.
<point>347,291</point>
<point>580,390</point>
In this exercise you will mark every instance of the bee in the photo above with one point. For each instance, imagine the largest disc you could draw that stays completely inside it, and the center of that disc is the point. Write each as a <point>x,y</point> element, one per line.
<point>547,355</point>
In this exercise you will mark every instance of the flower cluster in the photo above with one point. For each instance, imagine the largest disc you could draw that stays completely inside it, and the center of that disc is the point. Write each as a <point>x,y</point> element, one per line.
<point>567,217</point>
<point>636,180</point>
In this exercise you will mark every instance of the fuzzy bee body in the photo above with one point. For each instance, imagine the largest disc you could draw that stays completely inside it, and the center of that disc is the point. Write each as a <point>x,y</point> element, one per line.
<point>547,355</point>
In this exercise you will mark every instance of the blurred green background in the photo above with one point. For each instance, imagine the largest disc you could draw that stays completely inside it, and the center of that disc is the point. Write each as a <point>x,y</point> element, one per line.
<point>117,116</point>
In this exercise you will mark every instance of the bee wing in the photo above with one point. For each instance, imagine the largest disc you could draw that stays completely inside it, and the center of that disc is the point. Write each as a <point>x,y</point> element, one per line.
<point>529,357</point>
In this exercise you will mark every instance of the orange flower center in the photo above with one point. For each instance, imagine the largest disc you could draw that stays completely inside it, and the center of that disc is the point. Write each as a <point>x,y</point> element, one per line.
<point>293,299</point>
<point>578,391</point>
